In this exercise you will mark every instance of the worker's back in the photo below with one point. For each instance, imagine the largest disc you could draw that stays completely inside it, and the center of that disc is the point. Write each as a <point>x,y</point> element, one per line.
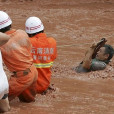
<point>44,53</point>
<point>16,52</point>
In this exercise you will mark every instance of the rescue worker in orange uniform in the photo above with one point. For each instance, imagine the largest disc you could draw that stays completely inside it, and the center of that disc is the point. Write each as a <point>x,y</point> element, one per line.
<point>17,57</point>
<point>43,51</point>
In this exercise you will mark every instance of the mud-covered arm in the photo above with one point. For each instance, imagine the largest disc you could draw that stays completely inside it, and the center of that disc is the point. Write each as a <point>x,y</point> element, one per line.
<point>88,57</point>
<point>3,38</point>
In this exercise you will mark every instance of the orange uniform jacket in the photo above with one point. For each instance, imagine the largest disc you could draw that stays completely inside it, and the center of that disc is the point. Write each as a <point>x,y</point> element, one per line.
<point>44,53</point>
<point>17,57</point>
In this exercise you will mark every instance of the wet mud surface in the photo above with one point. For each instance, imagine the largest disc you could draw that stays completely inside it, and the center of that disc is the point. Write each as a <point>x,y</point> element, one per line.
<point>75,24</point>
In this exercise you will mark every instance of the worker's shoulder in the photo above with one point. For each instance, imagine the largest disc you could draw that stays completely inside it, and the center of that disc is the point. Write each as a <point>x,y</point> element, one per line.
<point>51,39</point>
<point>22,32</point>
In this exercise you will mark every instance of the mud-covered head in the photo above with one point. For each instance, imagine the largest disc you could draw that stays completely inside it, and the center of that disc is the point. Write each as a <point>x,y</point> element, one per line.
<point>5,22</point>
<point>33,25</point>
<point>105,53</point>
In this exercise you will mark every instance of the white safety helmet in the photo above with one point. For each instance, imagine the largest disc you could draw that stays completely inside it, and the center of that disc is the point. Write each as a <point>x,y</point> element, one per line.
<point>4,20</point>
<point>33,25</point>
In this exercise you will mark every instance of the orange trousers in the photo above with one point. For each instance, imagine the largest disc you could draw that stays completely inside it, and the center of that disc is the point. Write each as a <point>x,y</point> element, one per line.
<point>24,87</point>
<point>43,81</point>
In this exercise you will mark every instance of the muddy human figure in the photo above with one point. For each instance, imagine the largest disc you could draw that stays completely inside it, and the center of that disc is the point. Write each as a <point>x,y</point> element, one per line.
<point>17,57</point>
<point>44,53</point>
<point>102,58</point>
<point>4,87</point>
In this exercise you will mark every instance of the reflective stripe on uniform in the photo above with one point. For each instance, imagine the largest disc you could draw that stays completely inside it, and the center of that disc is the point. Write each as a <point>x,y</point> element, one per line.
<point>43,65</point>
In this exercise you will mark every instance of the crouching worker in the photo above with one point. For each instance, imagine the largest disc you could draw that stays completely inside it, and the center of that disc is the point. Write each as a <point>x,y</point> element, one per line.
<point>97,57</point>
<point>17,57</point>
<point>43,52</point>
<point>4,87</point>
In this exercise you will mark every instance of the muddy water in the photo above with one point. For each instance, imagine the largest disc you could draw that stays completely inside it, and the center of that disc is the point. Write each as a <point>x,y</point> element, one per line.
<point>74,24</point>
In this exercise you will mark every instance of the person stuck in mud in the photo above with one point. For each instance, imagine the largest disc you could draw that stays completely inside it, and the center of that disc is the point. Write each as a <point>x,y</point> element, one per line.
<point>17,57</point>
<point>4,86</point>
<point>97,57</point>
<point>44,53</point>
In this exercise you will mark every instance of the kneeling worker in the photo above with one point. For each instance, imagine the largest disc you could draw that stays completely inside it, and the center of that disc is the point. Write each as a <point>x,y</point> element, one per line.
<point>17,57</point>
<point>97,57</point>
<point>43,52</point>
<point>4,87</point>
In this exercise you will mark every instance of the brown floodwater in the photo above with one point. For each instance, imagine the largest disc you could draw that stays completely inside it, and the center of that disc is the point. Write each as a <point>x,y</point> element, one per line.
<point>75,24</point>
